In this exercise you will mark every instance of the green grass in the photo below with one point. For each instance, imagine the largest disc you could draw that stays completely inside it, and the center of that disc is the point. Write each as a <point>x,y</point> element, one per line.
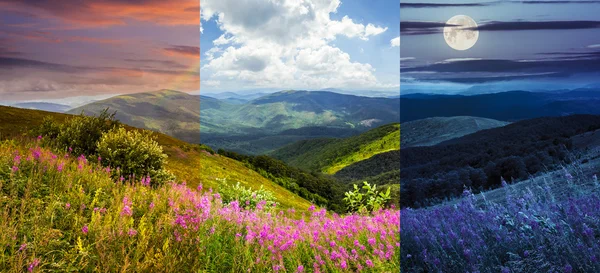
<point>59,213</point>
<point>331,155</point>
<point>187,161</point>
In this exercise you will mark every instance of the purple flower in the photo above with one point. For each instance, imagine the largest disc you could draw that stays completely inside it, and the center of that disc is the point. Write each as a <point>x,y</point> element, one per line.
<point>300,269</point>
<point>68,205</point>
<point>132,232</point>
<point>33,264</point>
<point>369,263</point>
<point>23,247</point>
<point>84,229</point>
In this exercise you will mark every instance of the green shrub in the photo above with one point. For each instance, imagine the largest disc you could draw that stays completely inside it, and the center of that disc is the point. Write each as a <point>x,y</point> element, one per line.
<point>134,153</point>
<point>246,197</point>
<point>78,134</point>
<point>366,199</point>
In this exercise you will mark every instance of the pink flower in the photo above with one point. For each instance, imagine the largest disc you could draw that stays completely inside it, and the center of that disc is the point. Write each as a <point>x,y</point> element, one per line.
<point>369,263</point>
<point>60,167</point>
<point>151,206</point>
<point>132,232</point>
<point>39,137</point>
<point>68,205</point>
<point>300,269</point>
<point>33,264</point>
<point>311,208</point>
<point>146,181</point>
<point>23,247</point>
<point>126,211</point>
<point>84,229</point>
<point>14,169</point>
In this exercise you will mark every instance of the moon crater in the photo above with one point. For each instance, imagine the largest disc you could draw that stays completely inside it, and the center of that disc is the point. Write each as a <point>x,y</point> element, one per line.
<point>461,32</point>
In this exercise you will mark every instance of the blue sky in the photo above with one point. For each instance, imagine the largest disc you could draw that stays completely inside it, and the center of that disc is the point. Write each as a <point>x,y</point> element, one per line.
<point>287,45</point>
<point>522,45</point>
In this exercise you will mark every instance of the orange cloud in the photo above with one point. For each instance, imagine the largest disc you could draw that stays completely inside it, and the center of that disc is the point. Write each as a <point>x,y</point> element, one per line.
<point>110,12</point>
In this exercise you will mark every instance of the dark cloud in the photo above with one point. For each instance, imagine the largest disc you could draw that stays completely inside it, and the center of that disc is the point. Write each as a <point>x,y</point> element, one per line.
<point>497,70</point>
<point>542,25</point>
<point>150,62</point>
<point>442,5</point>
<point>417,28</point>
<point>183,50</point>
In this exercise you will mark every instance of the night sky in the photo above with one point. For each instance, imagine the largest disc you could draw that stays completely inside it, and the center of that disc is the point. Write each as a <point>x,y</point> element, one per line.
<point>51,49</point>
<point>522,45</point>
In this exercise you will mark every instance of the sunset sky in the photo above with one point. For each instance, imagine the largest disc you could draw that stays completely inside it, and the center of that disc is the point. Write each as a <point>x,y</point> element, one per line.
<point>53,49</point>
<point>522,45</point>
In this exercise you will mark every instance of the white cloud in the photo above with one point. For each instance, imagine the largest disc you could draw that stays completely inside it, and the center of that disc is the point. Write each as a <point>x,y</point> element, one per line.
<point>407,58</point>
<point>594,46</point>
<point>211,83</point>
<point>285,43</point>
<point>395,42</point>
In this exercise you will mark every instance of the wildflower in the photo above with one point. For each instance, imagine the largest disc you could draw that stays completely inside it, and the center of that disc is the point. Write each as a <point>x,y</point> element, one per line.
<point>300,269</point>
<point>33,264</point>
<point>311,208</point>
<point>60,167</point>
<point>23,247</point>
<point>146,181</point>
<point>14,169</point>
<point>126,211</point>
<point>504,184</point>
<point>371,241</point>
<point>70,149</point>
<point>568,268</point>
<point>121,178</point>
<point>68,205</point>
<point>132,232</point>
<point>17,160</point>
<point>369,263</point>
<point>199,188</point>
<point>84,229</point>
<point>151,206</point>
<point>39,137</point>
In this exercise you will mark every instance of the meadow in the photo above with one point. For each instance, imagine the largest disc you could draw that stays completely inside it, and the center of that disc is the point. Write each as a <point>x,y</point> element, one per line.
<point>550,223</point>
<point>65,212</point>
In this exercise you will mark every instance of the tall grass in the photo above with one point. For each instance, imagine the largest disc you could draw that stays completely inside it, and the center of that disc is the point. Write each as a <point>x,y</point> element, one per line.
<point>62,212</point>
<point>551,225</point>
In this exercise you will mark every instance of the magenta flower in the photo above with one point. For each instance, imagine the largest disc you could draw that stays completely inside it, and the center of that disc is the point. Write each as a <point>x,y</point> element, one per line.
<point>369,263</point>
<point>33,264</point>
<point>14,169</point>
<point>60,167</point>
<point>132,232</point>
<point>84,229</point>
<point>68,205</point>
<point>23,247</point>
<point>126,211</point>
<point>39,137</point>
<point>300,269</point>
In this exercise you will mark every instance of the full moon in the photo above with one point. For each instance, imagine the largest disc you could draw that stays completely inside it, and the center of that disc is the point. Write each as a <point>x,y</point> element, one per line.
<point>461,32</point>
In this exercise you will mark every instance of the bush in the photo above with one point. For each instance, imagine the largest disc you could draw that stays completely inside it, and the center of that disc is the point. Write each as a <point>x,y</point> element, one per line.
<point>78,134</point>
<point>134,153</point>
<point>368,201</point>
<point>247,197</point>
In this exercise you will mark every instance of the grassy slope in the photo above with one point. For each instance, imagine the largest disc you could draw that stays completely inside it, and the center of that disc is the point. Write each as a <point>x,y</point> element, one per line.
<point>188,164</point>
<point>431,131</point>
<point>332,155</point>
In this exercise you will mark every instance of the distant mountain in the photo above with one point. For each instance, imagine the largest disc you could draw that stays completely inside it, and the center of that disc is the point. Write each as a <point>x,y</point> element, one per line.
<point>431,131</point>
<point>329,155</point>
<point>257,126</point>
<point>505,106</point>
<point>44,106</point>
<point>166,111</point>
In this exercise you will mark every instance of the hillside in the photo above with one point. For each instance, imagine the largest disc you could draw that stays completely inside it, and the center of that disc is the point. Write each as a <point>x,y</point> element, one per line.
<point>246,127</point>
<point>431,131</point>
<point>187,161</point>
<point>329,155</point>
<point>166,111</point>
<point>481,160</point>
<point>505,106</point>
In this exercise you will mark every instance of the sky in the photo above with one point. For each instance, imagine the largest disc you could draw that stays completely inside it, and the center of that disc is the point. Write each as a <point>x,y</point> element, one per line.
<point>56,49</point>
<point>522,45</point>
<point>308,45</point>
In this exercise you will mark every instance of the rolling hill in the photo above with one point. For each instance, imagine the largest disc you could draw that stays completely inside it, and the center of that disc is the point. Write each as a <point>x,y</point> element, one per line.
<point>329,155</point>
<point>431,131</point>
<point>248,127</point>
<point>189,162</point>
